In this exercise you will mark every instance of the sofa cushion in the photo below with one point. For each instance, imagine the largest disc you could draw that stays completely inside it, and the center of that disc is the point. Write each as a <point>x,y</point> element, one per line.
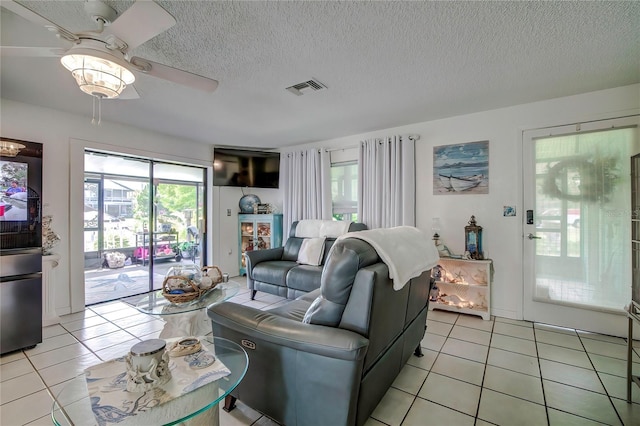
<point>273,272</point>
<point>291,248</point>
<point>311,251</point>
<point>304,277</point>
<point>346,259</point>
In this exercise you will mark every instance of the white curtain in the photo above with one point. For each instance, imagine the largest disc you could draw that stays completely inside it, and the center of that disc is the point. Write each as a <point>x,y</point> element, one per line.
<point>387,182</point>
<point>306,182</point>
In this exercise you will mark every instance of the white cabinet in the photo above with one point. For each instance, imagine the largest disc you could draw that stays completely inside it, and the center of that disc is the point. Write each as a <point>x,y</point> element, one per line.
<point>464,286</point>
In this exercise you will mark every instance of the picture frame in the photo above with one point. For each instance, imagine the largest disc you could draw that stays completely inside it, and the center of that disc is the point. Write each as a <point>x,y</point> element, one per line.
<point>263,208</point>
<point>461,169</point>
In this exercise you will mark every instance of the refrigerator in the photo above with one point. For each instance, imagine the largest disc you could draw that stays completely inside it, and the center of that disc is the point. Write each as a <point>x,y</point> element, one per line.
<point>20,245</point>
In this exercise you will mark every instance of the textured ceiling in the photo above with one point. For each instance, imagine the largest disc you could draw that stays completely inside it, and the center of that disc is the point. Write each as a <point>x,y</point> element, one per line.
<point>386,64</point>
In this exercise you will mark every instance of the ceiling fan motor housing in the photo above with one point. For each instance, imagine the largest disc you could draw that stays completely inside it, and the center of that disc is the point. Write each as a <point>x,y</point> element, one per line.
<point>100,12</point>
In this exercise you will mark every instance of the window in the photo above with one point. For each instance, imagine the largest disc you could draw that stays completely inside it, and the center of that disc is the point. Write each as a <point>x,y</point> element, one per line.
<point>344,190</point>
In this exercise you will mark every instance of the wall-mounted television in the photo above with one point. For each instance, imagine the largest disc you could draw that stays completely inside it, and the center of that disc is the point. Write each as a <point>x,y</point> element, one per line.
<point>238,167</point>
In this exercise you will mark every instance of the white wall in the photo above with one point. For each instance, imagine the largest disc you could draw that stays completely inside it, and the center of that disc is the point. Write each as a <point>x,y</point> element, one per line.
<point>64,137</point>
<point>226,233</point>
<point>503,129</point>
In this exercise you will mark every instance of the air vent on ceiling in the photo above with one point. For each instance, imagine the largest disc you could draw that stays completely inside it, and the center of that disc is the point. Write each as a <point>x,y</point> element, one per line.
<point>312,85</point>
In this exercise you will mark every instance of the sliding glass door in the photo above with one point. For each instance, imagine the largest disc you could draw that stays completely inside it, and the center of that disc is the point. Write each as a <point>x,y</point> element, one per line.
<point>141,217</point>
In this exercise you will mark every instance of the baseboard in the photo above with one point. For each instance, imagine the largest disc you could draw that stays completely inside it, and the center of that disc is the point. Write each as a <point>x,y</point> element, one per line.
<point>504,313</point>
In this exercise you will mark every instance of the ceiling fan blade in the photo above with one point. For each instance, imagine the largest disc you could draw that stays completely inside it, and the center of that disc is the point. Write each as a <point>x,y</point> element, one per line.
<point>32,16</point>
<point>175,75</point>
<point>34,52</point>
<point>141,22</point>
<point>129,92</point>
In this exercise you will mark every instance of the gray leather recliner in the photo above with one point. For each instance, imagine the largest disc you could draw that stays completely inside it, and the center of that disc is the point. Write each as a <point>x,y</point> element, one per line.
<point>328,357</point>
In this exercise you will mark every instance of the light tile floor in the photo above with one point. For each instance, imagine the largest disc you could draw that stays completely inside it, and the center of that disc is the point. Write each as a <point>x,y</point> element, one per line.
<point>501,372</point>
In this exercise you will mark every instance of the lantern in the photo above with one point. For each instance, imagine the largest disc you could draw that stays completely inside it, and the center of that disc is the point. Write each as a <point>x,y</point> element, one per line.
<point>473,239</point>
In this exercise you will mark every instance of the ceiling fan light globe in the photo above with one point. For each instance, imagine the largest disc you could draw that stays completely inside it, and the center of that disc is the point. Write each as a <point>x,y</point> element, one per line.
<point>98,76</point>
<point>98,91</point>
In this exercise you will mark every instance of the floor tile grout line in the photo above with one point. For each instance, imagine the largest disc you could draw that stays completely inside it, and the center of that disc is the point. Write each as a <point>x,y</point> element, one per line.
<point>544,393</point>
<point>47,387</point>
<point>484,370</point>
<point>615,410</point>
<point>437,403</point>
<point>429,371</point>
<point>453,325</point>
<point>28,394</point>
<point>542,379</point>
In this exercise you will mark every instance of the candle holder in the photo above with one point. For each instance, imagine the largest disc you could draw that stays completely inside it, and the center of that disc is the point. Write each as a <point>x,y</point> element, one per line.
<point>473,239</point>
<point>147,365</point>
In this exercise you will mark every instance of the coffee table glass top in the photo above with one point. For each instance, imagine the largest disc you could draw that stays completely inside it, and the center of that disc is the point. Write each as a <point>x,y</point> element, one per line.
<point>73,406</point>
<point>156,304</point>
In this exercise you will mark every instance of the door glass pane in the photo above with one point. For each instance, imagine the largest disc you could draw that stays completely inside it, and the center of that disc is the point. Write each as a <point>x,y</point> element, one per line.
<point>177,218</point>
<point>91,230</point>
<point>264,236</point>
<point>582,218</point>
<point>246,240</point>
<point>114,264</point>
<point>136,228</point>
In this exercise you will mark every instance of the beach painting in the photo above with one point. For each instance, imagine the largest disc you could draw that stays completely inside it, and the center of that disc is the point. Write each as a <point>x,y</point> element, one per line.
<point>461,168</point>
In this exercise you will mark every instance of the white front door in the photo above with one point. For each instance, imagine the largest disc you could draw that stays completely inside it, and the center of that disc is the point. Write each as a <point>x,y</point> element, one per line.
<point>577,247</point>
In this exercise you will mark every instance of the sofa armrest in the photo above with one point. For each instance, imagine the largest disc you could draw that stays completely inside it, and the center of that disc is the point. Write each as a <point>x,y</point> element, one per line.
<point>256,256</point>
<point>262,325</point>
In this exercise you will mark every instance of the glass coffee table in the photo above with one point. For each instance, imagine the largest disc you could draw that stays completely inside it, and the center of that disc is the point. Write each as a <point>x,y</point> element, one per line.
<point>184,319</point>
<point>73,406</point>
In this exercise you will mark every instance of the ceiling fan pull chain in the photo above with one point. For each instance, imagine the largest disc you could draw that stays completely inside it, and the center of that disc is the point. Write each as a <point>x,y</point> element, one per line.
<point>93,119</point>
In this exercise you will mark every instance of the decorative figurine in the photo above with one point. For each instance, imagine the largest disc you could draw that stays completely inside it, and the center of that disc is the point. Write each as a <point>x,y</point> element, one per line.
<point>147,365</point>
<point>434,293</point>
<point>49,236</point>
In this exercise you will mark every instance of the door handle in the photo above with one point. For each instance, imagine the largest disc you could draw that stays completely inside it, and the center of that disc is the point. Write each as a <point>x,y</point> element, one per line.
<point>533,237</point>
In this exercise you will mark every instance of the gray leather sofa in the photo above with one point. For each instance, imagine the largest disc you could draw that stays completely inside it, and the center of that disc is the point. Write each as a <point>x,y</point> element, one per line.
<point>276,270</point>
<point>334,368</point>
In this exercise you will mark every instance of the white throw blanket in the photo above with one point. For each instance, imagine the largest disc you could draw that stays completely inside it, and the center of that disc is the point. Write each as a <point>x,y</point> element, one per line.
<point>334,228</point>
<point>406,250</point>
<point>308,228</point>
<point>313,228</point>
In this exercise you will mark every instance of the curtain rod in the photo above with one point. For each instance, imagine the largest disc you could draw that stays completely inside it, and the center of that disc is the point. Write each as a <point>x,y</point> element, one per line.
<point>410,137</point>
<point>342,148</point>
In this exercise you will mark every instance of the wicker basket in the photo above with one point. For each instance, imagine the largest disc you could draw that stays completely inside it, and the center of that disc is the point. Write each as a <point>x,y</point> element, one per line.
<point>214,273</point>
<point>192,289</point>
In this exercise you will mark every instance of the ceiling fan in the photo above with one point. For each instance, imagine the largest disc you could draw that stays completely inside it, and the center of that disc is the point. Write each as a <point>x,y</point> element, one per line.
<point>98,59</point>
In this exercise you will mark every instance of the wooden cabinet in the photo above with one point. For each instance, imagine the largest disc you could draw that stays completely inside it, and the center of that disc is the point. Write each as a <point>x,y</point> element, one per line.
<point>464,286</point>
<point>161,246</point>
<point>258,232</point>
